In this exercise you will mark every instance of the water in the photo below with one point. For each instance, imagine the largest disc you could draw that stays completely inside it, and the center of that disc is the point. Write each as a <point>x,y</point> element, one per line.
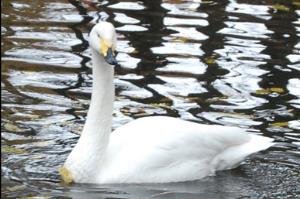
<point>229,62</point>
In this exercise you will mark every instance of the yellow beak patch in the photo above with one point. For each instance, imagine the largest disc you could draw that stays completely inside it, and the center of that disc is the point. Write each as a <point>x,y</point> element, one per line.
<point>104,46</point>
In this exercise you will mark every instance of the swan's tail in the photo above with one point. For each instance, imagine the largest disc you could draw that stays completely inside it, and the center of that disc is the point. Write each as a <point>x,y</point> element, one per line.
<point>258,143</point>
<point>233,156</point>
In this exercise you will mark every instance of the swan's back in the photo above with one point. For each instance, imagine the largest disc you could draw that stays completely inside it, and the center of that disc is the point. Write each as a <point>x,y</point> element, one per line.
<point>166,149</point>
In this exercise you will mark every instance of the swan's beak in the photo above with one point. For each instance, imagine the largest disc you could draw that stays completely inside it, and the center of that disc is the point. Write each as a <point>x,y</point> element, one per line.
<point>110,57</point>
<point>107,51</point>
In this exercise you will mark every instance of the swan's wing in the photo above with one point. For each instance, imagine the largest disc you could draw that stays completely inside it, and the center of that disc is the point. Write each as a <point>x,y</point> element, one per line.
<point>169,148</point>
<point>169,133</point>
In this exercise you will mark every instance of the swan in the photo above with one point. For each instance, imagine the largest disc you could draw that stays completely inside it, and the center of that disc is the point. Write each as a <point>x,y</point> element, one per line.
<point>154,149</point>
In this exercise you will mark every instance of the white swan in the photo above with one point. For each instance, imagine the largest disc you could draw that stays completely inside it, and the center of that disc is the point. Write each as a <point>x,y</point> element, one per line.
<point>151,149</point>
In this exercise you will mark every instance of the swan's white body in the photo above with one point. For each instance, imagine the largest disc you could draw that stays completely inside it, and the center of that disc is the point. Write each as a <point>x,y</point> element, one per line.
<point>151,149</point>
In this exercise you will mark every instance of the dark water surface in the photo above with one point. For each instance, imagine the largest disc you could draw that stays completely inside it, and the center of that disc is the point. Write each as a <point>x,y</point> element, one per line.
<point>228,62</point>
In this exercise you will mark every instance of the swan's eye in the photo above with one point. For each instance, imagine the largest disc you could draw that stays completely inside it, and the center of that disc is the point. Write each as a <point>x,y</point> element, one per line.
<point>98,35</point>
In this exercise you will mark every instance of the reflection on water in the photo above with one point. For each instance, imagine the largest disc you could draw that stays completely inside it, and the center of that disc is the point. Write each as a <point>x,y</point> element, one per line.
<point>228,62</point>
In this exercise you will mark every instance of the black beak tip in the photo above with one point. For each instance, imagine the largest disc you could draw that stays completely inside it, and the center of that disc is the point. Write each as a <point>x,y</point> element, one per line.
<point>112,61</point>
<point>110,58</point>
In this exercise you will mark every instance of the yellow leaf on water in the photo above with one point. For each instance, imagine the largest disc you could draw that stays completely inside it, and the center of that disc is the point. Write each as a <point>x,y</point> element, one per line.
<point>210,60</point>
<point>280,124</point>
<point>281,7</point>
<point>277,90</point>
<point>12,150</point>
<point>262,92</point>
<point>12,128</point>
<point>267,91</point>
<point>161,105</point>
<point>180,39</point>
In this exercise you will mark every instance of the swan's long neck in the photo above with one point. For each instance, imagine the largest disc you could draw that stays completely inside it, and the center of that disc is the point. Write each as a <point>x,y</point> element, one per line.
<point>99,117</point>
<point>90,149</point>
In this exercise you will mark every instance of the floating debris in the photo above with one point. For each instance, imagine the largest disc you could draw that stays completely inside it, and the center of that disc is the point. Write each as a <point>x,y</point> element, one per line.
<point>267,91</point>
<point>281,7</point>
<point>12,150</point>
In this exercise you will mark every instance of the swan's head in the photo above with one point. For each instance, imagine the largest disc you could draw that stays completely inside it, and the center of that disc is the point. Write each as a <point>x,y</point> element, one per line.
<point>103,40</point>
